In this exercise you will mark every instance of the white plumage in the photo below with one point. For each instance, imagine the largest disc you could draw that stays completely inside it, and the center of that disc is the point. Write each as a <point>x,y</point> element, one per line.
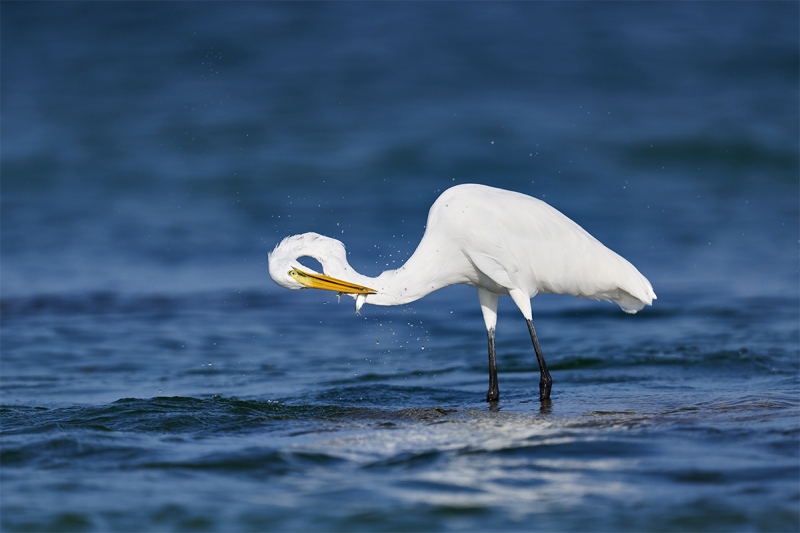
<point>502,242</point>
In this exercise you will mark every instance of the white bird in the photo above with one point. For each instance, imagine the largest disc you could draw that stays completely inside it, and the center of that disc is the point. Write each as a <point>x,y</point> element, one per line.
<point>499,241</point>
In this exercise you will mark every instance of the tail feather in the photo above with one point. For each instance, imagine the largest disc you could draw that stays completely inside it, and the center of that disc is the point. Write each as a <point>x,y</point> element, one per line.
<point>632,301</point>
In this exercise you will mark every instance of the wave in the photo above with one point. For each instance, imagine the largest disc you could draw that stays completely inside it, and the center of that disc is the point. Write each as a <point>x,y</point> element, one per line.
<point>198,416</point>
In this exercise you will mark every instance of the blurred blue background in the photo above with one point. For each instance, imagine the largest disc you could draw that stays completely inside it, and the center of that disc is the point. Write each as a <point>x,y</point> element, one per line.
<point>167,146</point>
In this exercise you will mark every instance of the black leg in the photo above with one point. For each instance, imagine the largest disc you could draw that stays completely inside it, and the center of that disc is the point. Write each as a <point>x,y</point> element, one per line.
<point>494,391</point>
<point>545,381</point>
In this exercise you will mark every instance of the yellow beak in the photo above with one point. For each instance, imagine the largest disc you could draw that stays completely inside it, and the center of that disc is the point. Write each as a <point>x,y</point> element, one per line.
<point>321,281</point>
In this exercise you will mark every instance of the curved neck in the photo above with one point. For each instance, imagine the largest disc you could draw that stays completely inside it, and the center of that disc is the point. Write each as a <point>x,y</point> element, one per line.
<point>418,277</point>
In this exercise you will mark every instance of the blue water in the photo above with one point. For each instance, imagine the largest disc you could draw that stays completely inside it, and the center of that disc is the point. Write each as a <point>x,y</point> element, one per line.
<point>153,377</point>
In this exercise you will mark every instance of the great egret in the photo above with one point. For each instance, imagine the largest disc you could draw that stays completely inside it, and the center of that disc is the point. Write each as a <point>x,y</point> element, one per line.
<point>499,241</point>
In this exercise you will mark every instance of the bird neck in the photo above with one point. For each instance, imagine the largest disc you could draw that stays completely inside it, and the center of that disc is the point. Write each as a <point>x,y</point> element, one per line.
<point>419,276</point>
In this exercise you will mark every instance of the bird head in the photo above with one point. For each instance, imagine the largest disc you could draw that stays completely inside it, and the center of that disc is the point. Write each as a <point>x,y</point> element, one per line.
<point>287,272</point>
